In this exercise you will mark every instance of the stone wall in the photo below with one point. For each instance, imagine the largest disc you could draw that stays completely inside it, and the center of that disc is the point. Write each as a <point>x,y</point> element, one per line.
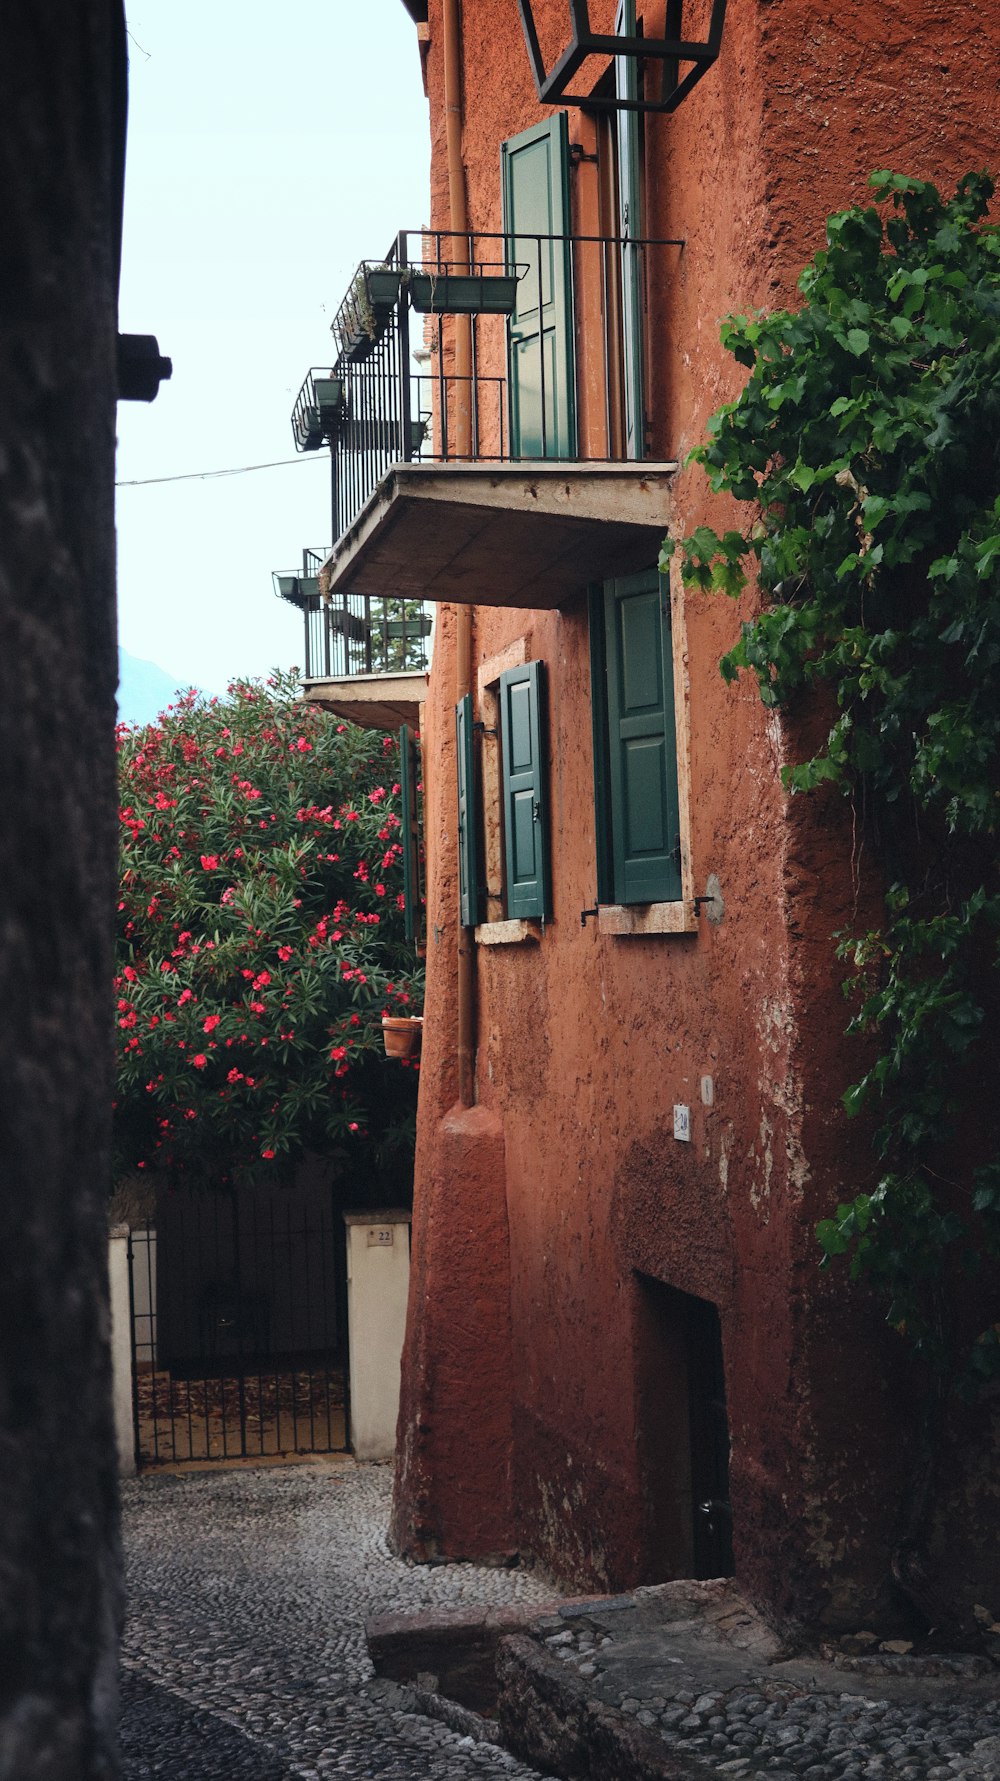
<point>59,1589</point>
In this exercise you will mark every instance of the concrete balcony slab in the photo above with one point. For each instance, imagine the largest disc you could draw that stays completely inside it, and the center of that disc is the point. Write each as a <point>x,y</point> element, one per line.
<point>491,534</point>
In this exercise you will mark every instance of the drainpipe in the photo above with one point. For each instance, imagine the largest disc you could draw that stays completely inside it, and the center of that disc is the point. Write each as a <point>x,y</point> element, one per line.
<point>459,249</point>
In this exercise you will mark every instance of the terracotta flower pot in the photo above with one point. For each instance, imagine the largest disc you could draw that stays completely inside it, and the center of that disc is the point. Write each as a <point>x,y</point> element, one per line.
<point>401,1034</point>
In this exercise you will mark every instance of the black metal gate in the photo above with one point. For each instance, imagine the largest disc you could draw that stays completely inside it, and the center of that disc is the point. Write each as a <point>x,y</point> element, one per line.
<point>239,1329</point>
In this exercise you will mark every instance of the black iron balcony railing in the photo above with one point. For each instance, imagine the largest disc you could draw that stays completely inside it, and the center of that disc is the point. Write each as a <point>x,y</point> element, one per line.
<point>550,362</point>
<point>355,634</point>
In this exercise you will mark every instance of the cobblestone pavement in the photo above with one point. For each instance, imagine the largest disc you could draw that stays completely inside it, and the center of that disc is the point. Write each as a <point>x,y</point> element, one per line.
<point>887,1721</point>
<point>244,1656</point>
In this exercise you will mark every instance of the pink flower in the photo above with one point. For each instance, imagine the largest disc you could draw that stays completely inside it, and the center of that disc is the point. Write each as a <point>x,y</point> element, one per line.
<point>186,995</point>
<point>338,1052</point>
<point>210,1023</point>
<point>210,861</point>
<point>267,1155</point>
<point>199,1060</point>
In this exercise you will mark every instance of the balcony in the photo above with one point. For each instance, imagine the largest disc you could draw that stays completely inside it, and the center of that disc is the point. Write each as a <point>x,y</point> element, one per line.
<point>487,415</point>
<point>365,658</point>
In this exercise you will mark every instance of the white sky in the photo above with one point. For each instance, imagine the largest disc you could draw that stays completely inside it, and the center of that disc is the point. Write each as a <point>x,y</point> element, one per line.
<point>270,149</point>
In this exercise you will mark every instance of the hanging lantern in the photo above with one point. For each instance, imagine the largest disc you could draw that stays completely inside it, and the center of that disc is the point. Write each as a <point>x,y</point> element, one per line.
<point>684,62</point>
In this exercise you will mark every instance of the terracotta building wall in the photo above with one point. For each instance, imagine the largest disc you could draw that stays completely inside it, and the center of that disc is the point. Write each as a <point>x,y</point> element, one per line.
<point>529,1372</point>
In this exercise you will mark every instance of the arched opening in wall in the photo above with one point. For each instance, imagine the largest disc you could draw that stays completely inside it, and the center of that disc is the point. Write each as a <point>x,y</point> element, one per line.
<point>682,1433</point>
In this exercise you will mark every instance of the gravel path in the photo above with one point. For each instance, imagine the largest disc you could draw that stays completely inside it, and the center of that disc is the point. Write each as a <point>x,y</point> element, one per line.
<point>244,1655</point>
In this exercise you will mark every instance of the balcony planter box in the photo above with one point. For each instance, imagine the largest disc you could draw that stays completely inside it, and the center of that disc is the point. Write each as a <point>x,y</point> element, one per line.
<point>346,624</point>
<point>401,1034</point>
<point>308,429</point>
<point>357,345</point>
<point>467,293</point>
<point>382,285</point>
<point>406,628</point>
<point>329,393</point>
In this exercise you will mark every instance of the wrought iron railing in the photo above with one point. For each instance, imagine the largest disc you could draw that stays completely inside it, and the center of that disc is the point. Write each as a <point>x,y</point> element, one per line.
<point>355,634</point>
<point>408,385</point>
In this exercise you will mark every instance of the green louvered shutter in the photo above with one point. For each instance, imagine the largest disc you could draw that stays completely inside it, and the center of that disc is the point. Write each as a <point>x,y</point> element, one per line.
<point>535,179</point>
<point>525,815</point>
<point>468,850</point>
<point>599,731</point>
<point>410,836</point>
<point>642,741</point>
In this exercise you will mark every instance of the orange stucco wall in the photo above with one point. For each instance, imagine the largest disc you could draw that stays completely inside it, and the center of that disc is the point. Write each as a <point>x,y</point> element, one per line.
<point>537,1211</point>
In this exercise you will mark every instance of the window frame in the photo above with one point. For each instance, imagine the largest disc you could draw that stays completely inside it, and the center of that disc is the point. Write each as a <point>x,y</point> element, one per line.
<point>498,928</point>
<point>615,916</point>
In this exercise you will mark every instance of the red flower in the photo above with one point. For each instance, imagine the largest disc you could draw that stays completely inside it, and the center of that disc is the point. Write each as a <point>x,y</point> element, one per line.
<point>210,1023</point>
<point>210,861</point>
<point>199,1060</point>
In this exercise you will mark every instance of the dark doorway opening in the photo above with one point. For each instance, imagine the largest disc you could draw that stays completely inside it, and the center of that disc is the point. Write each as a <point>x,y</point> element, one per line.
<point>683,1433</point>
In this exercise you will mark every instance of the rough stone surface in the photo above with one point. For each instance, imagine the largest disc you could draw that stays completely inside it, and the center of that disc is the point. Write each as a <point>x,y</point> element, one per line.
<point>457,1646</point>
<point>244,1655</point>
<point>686,1680</point>
<point>58,1555</point>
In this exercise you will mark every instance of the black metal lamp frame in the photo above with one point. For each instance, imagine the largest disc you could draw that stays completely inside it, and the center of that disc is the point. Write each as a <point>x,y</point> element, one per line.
<point>671,50</point>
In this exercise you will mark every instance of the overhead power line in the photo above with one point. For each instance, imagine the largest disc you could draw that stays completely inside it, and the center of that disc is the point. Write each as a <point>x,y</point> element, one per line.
<point>202,475</point>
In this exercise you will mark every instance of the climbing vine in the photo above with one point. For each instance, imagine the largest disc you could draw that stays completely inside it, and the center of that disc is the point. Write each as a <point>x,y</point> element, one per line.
<point>866,444</point>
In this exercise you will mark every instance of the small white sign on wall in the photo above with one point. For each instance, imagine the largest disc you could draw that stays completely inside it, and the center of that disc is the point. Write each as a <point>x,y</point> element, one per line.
<point>682,1123</point>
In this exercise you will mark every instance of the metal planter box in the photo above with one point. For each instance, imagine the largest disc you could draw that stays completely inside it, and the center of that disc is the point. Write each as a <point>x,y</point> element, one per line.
<point>472,293</point>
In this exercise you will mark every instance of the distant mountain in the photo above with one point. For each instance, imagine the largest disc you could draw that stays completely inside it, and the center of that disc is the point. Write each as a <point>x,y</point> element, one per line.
<point>144,690</point>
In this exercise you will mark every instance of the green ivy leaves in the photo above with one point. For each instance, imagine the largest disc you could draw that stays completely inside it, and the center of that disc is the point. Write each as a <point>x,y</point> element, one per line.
<point>866,443</point>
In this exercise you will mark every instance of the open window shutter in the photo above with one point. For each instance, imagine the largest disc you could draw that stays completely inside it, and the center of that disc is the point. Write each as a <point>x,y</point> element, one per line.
<point>524,791</point>
<point>599,723</point>
<point>410,837</point>
<point>642,741</point>
<point>535,176</point>
<point>468,858</point>
<point>630,228</point>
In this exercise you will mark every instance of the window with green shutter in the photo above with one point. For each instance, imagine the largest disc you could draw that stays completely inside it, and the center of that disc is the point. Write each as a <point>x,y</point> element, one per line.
<point>468,824</point>
<point>535,185</point>
<point>635,742</point>
<point>524,791</point>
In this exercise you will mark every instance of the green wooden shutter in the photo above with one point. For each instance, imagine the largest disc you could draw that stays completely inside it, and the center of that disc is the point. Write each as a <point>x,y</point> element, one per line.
<point>599,724</point>
<point>468,849</point>
<point>525,815</point>
<point>410,837</point>
<point>535,179</point>
<point>642,741</point>
<point>630,228</point>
